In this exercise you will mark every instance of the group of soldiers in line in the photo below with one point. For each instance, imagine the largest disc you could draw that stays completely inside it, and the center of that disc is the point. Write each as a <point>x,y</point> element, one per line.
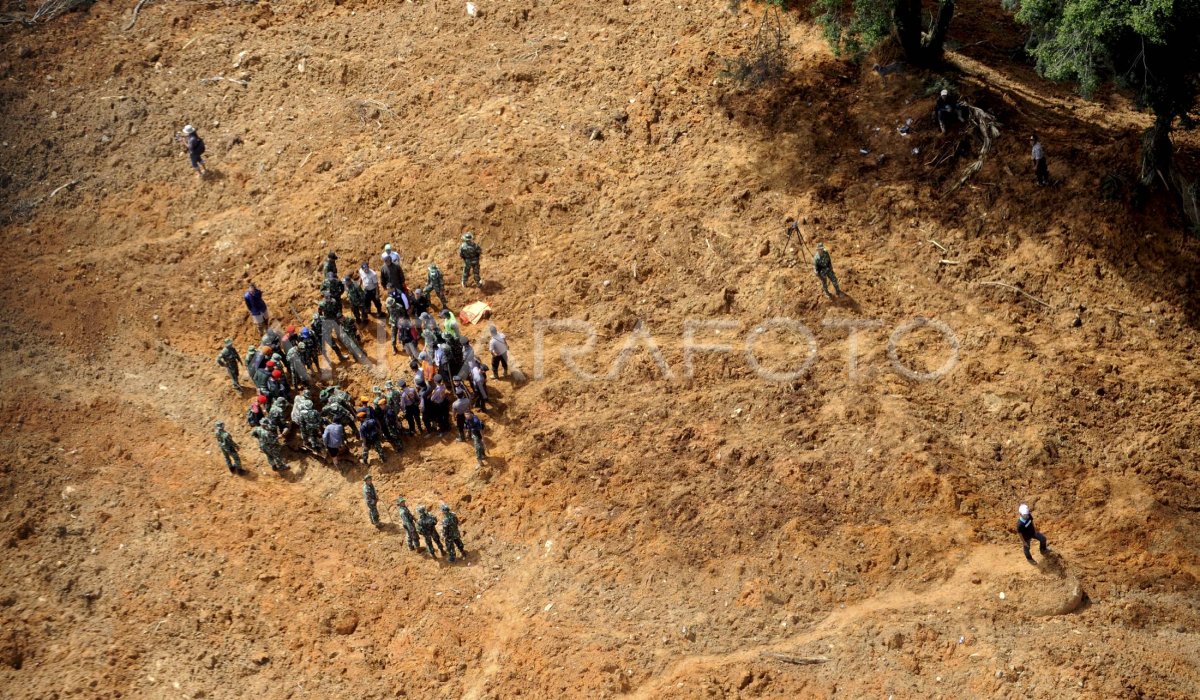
<point>448,380</point>
<point>424,525</point>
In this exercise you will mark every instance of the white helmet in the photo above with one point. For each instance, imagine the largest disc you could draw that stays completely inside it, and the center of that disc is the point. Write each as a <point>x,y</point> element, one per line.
<point>945,93</point>
<point>1023,510</point>
<point>189,129</point>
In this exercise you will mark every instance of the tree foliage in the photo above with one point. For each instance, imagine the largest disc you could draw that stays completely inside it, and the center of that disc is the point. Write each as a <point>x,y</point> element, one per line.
<point>855,27</point>
<point>1148,47</point>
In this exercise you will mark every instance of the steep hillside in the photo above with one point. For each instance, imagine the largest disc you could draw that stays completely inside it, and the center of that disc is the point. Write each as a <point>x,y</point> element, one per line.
<point>642,532</point>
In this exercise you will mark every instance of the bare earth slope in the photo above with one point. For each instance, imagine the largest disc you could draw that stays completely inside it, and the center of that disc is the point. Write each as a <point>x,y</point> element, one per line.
<point>644,535</point>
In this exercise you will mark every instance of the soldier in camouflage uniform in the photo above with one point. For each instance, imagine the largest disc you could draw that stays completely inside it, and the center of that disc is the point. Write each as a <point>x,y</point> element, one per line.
<point>277,418</point>
<point>229,450</point>
<point>470,252</point>
<point>333,286</point>
<point>427,526</point>
<point>371,434</point>
<point>372,499</point>
<point>309,350</point>
<point>229,360</point>
<point>474,428</point>
<point>337,410</point>
<point>329,265</point>
<point>328,329</point>
<point>268,442</point>
<point>436,283</point>
<point>450,532</point>
<point>357,297</point>
<point>351,337</point>
<point>312,428</point>
<point>823,266</point>
<point>410,525</point>
<point>395,314</point>
<point>295,363</point>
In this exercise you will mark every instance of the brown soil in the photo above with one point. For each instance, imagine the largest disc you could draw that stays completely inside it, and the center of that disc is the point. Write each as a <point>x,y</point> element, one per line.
<point>643,536</point>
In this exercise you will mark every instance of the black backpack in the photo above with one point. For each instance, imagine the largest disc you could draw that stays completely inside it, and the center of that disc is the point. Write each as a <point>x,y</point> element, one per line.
<point>197,145</point>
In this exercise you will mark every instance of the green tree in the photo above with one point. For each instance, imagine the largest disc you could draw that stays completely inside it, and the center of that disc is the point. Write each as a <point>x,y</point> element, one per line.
<point>1150,48</point>
<point>854,27</point>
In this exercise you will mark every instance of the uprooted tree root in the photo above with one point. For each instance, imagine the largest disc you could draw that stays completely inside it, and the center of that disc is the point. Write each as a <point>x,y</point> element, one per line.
<point>985,124</point>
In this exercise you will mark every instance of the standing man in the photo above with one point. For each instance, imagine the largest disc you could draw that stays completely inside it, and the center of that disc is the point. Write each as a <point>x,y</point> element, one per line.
<point>409,523</point>
<point>334,437</point>
<point>1028,532</point>
<point>434,282</point>
<point>330,265</point>
<point>195,148</point>
<point>391,275</point>
<point>470,252</point>
<point>390,255</point>
<point>427,526</point>
<point>372,500</point>
<point>257,308</point>
<point>1039,161</point>
<point>475,429</point>
<point>450,532</point>
<point>268,442</point>
<point>823,266</point>
<point>371,435</point>
<point>357,298</point>
<point>229,360</point>
<point>229,450</point>
<point>498,346</point>
<point>370,285</point>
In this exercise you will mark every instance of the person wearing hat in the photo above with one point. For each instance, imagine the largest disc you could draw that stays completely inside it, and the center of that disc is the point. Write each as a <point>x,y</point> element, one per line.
<point>427,526</point>
<point>268,442</point>
<point>229,450</point>
<point>1038,152</point>
<point>391,275</point>
<point>1028,532</point>
<point>470,252</point>
<point>329,265</point>
<point>823,266</point>
<point>475,430</point>
<point>372,499</point>
<point>257,411</point>
<point>257,307</point>
<point>277,385</point>
<point>943,107</point>
<point>195,148</point>
<point>390,255</point>
<point>450,327</point>
<point>434,282</point>
<point>228,358</point>
<point>450,532</point>
<point>370,433</point>
<point>409,523</point>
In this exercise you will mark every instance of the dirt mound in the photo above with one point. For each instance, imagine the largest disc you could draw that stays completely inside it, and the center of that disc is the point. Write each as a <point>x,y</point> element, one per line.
<point>679,526</point>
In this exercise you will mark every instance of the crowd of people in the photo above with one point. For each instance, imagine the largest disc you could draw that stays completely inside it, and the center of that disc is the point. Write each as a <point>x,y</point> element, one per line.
<point>445,391</point>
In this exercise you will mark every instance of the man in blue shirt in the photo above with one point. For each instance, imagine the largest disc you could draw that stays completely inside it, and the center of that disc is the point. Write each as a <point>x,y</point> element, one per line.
<point>257,308</point>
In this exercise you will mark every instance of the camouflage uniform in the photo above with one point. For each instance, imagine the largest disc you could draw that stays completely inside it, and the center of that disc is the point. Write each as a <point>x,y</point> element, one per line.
<point>357,298</point>
<point>330,265</point>
<point>295,363</point>
<point>410,525</point>
<point>372,499</point>
<point>327,328</point>
<point>350,328</point>
<point>435,283</point>
<point>333,286</point>
<point>470,252</point>
<point>310,353</point>
<point>427,526</point>
<point>475,426</point>
<point>823,266</point>
<point>312,429</point>
<point>450,532</point>
<point>229,360</point>
<point>229,450</point>
<point>338,412</point>
<point>269,444</point>
<point>395,312</point>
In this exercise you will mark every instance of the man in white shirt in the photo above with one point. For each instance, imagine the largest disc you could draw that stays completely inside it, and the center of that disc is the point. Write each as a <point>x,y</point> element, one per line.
<point>370,285</point>
<point>498,346</point>
<point>390,255</point>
